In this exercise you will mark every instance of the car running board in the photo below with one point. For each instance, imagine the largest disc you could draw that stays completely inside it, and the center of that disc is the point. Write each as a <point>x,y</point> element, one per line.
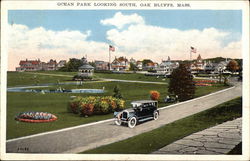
<point>149,118</point>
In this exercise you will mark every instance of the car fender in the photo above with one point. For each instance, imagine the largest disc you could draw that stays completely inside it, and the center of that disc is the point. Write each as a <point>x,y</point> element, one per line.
<point>116,114</point>
<point>157,111</point>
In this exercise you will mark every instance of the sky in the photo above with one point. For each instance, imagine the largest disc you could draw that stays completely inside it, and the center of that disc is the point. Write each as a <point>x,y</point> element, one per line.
<point>151,34</point>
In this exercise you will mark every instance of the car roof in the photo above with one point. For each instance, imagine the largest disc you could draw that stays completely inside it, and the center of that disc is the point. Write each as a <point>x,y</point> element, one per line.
<point>144,101</point>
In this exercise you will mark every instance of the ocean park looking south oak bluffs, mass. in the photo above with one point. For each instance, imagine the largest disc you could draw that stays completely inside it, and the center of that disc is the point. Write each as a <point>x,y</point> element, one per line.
<point>124,82</point>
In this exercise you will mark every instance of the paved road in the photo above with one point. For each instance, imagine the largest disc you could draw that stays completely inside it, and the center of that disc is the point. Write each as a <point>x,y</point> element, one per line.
<point>219,139</point>
<point>132,81</point>
<point>83,138</point>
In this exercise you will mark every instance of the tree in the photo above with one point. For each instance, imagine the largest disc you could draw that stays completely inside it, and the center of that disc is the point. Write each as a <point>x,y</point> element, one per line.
<point>117,92</point>
<point>132,67</point>
<point>233,66</point>
<point>181,83</point>
<point>146,61</point>
<point>72,65</point>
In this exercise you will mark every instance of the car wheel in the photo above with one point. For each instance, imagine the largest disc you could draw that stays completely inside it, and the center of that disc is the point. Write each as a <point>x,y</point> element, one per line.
<point>132,122</point>
<point>156,115</point>
<point>118,121</point>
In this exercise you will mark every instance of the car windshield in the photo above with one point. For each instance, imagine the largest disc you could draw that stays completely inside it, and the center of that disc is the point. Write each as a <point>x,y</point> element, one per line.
<point>135,105</point>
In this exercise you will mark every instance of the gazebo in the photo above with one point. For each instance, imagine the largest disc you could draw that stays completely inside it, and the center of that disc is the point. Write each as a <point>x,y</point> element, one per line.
<point>85,70</point>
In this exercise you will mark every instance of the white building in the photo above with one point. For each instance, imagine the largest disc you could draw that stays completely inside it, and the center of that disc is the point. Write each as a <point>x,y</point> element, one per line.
<point>167,66</point>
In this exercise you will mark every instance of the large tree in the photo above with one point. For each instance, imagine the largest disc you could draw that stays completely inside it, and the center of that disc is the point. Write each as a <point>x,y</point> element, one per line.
<point>181,83</point>
<point>72,65</point>
<point>146,61</point>
<point>233,66</point>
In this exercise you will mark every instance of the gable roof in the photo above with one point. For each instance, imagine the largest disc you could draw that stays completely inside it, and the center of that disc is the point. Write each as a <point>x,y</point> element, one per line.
<point>33,62</point>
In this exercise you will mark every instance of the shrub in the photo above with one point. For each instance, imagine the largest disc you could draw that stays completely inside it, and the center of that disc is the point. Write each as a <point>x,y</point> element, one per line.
<point>117,92</point>
<point>74,105</point>
<point>154,95</point>
<point>87,109</point>
<point>105,106</point>
<point>120,104</point>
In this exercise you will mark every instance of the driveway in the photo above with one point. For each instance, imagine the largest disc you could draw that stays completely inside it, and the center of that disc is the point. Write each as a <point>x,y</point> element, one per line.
<point>81,138</point>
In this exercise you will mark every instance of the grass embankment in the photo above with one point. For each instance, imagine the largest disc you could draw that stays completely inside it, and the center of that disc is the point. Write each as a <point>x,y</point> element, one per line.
<point>57,103</point>
<point>237,150</point>
<point>151,141</point>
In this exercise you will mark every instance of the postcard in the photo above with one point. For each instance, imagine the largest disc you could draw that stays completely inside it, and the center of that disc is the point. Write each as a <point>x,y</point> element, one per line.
<point>125,80</point>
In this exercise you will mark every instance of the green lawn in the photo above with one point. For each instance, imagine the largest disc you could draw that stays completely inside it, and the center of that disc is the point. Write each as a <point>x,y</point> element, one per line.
<point>28,78</point>
<point>151,141</point>
<point>128,76</point>
<point>132,76</point>
<point>56,103</point>
<point>31,78</point>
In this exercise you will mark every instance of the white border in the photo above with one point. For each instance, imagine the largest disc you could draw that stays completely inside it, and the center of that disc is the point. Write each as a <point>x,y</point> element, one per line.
<point>23,5</point>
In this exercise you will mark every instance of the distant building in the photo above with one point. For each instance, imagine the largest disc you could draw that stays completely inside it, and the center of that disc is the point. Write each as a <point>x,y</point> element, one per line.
<point>52,65</point>
<point>101,65</point>
<point>36,65</point>
<point>167,66</point>
<point>198,65</point>
<point>150,66</point>
<point>120,64</point>
<point>61,63</point>
<point>209,66</point>
<point>29,65</point>
<point>139,65</point>
<point>221,66</point>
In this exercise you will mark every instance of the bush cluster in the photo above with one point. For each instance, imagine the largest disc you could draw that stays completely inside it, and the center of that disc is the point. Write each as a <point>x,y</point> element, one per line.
<point>154,95</point>
<point>87,106</point>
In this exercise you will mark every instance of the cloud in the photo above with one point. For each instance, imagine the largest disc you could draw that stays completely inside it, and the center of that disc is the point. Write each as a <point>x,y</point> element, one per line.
<point>47,44</point>
<point>120,20</point>
<point>137,40</point>
<point>147,41</point>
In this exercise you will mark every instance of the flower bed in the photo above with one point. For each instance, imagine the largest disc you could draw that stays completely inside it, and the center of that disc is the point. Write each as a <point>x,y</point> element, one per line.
<point>35,117</point>
<point>87,106</point>
<point>205,82</point>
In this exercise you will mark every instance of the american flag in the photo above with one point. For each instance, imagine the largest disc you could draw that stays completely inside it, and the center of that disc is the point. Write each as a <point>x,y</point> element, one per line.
<point>193,50</point>
<point>111,48</point>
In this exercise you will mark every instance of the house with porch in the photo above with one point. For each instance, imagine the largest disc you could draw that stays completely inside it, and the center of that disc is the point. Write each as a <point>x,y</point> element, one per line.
<point>120,64</point>
<point>167,66</point>
<point>29,65</point>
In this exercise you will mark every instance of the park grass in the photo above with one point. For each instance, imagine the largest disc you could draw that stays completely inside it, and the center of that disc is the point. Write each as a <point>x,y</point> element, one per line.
<point>29,78</point>
<point>37,77</point>
<point>131,76</point>
<point>57,103</point>
<point>151,141</point>
<point>123,76</point>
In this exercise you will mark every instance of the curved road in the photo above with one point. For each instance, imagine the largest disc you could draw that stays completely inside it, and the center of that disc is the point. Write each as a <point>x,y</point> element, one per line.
<point>81,138</point>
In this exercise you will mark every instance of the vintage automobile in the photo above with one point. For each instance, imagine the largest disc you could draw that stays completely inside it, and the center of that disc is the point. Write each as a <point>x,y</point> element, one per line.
<point>171,99</point>
<point>142,110</point>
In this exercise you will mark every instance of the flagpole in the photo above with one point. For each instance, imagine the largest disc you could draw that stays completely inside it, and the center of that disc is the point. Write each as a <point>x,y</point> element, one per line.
<point>190,55</point>
<point>109,60</point>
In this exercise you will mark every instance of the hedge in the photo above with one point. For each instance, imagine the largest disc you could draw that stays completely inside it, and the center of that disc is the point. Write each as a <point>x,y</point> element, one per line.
<point>87,106</point>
